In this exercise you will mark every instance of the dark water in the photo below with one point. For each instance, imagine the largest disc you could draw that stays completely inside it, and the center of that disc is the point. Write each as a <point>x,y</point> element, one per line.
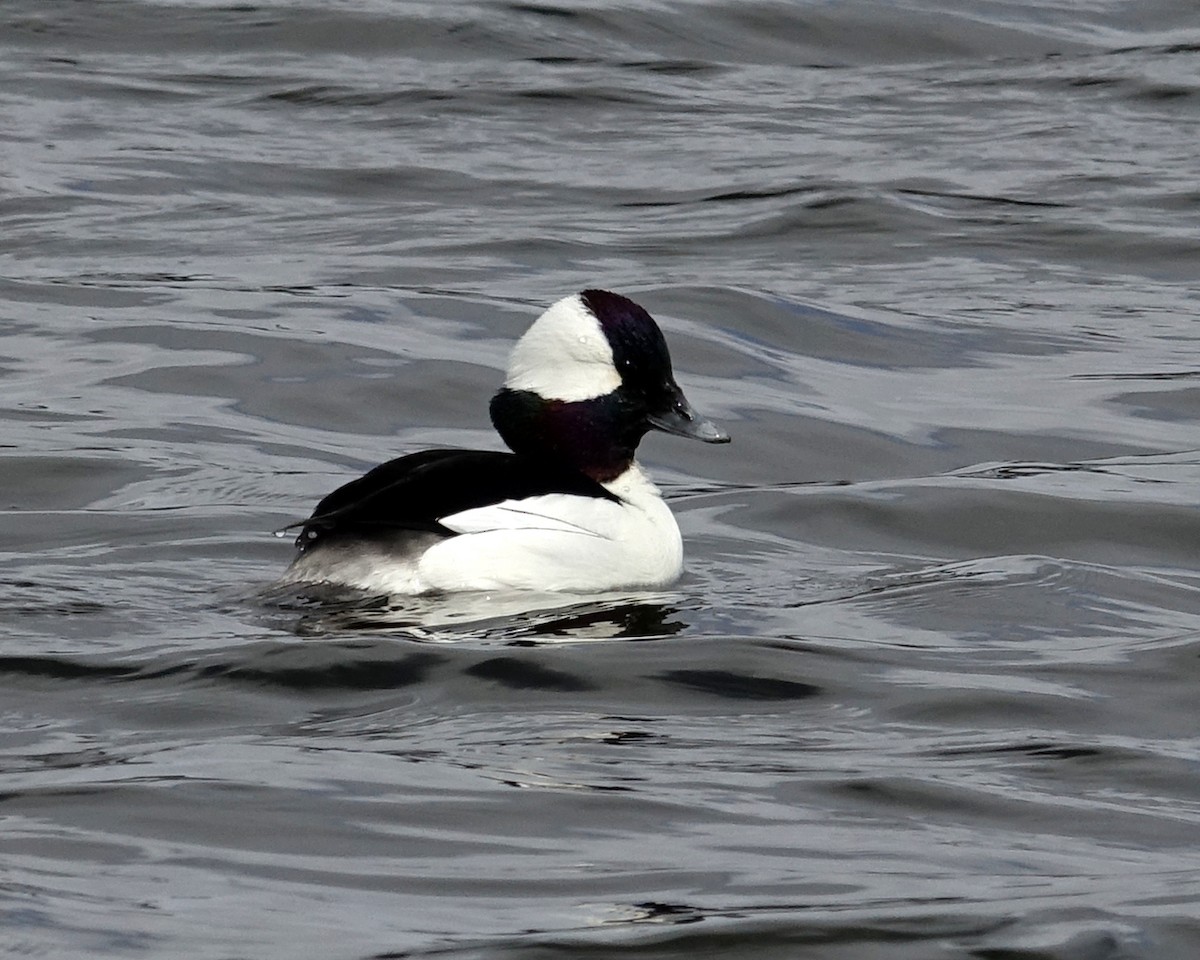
<point>929,686</point>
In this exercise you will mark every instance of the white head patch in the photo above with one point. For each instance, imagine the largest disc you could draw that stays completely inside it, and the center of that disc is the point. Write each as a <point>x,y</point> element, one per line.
<point>564,355</point>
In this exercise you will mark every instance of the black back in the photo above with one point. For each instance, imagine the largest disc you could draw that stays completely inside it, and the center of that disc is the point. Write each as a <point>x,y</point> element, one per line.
<point>415,492</point>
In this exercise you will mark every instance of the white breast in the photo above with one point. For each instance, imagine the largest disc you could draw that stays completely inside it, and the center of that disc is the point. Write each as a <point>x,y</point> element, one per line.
<point>560,542</point>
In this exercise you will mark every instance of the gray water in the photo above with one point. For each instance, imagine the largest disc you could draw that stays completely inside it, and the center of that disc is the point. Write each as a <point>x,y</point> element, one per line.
<point>928,686</point>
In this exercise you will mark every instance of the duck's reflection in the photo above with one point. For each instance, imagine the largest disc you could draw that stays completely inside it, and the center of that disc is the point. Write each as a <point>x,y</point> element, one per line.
<point>516,618</point>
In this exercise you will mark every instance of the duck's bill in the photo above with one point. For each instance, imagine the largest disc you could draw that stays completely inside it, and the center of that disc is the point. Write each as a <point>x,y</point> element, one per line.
<point>683,421</point>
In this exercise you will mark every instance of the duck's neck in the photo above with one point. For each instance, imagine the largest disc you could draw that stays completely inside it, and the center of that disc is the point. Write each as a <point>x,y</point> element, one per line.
<point>597,437</point>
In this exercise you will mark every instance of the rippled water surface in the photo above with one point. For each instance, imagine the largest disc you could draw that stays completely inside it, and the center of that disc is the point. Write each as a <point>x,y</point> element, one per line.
<point>929,685</point>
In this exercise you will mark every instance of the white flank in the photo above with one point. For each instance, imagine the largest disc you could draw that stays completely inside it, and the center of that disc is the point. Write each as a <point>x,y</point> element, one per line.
<point>564,355</point>
<point>560,542</point>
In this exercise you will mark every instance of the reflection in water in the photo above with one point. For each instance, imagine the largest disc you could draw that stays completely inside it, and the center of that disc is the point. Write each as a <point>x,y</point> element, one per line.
<point>322,610</point>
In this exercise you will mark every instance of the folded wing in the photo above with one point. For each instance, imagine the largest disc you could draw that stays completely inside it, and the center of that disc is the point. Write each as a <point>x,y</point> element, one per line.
<point>448,492</point>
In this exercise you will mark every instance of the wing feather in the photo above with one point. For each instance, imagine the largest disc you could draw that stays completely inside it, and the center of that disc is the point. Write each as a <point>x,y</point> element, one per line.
<point>423,491</point>
<point>545,513</point>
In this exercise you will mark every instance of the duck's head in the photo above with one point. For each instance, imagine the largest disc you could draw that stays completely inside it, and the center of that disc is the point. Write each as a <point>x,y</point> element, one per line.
<point>587,381</point>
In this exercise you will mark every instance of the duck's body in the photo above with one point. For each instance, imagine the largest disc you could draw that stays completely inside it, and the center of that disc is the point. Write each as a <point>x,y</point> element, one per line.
<point>492,521</point>
<point>568,510</point>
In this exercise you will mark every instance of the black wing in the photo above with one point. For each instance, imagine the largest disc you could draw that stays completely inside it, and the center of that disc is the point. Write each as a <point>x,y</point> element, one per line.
<point>415,492</point>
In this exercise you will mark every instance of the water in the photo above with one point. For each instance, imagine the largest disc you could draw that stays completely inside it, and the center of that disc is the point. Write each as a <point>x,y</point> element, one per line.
<point>928,685</point>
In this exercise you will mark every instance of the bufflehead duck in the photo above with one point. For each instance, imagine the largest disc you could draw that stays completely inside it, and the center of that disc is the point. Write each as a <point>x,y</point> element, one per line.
<point>568,509</point>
